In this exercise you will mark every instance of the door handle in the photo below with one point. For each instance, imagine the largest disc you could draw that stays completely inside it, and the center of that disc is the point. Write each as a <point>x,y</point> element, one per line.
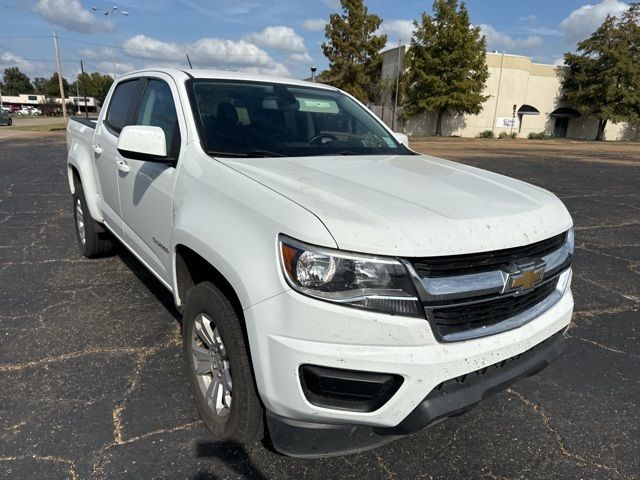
<point>97,149</point>
<point>123,166</point>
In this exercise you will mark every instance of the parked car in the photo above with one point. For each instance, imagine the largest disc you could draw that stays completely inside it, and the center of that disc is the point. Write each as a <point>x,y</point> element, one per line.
<point>5,119</point>
<point>5,109</point>
<point>29,111</point>
<point>338,290</point>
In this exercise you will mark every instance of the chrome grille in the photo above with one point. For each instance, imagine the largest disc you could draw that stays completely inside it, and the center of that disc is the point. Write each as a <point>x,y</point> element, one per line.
<point>456,319</point>
<point>484,261</point>
<point>470,296</point>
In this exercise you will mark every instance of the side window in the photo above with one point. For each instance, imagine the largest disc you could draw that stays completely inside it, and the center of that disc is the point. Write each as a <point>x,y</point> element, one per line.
<point>122,100</point>
<point>157,109</point>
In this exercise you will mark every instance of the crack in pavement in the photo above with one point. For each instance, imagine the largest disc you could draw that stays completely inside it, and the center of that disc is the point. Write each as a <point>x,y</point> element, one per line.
<point>97,464</point>
<point>390,473</point>
<point>68,356</point>
<point>611,349</point>
<point>604,311</point>
<point>583,247</point>
<point>493,476</point>
<point>594,227</point>
<point>607,289</point>
<point>141,358</point>
<point>73,473</point>
<point>546,421</point>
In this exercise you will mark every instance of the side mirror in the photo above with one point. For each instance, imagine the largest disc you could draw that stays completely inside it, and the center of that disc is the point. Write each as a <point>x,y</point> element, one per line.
<point>402,138</point>
<point>143,142</point>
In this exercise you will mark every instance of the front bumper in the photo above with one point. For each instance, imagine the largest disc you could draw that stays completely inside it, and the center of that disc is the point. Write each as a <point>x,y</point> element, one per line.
<point>290,330</point>
<point>308,439</point>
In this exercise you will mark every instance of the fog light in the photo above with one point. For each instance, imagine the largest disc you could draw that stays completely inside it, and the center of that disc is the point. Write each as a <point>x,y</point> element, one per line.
<point>347,389</point>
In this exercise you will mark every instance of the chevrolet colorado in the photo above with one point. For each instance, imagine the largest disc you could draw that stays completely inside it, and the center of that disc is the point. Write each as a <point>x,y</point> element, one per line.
<point>338,290</point>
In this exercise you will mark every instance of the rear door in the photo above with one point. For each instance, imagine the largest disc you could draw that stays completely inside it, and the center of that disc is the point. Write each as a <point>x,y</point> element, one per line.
<point>146,190</point>
<point>121,108</point>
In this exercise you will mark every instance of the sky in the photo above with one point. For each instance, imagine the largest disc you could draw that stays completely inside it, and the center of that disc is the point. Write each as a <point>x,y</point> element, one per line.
<point>280,37</point>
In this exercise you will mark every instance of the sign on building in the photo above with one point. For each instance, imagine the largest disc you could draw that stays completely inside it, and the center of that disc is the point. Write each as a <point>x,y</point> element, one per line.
<point>507,122</point>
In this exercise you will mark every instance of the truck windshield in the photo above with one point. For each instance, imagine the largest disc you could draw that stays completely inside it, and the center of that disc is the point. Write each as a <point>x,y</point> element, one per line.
<point>258,119</point>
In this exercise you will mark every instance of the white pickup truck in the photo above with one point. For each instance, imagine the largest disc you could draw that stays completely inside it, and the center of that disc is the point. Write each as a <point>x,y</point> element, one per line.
<point>338,290</point>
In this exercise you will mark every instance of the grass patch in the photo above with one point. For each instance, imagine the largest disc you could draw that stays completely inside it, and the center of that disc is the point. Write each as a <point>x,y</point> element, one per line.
<point>51,127</point>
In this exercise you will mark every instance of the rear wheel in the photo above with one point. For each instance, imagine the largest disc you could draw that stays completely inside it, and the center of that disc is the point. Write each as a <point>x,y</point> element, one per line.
<point>218,366</point>
<point>92,239</point>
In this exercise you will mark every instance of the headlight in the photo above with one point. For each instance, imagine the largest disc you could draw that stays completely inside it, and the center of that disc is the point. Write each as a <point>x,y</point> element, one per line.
<point>367,282</point>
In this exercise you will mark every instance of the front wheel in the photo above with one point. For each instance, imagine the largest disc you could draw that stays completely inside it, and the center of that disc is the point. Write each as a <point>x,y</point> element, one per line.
<point>218,366</point>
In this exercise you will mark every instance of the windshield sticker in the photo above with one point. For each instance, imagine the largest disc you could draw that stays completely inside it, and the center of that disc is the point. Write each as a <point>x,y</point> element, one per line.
<point>318,106</point>
<point>390,143</point>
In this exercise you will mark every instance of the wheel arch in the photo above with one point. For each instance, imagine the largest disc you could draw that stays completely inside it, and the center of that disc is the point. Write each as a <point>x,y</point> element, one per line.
<point>80,169</point>
<point>191,268</point>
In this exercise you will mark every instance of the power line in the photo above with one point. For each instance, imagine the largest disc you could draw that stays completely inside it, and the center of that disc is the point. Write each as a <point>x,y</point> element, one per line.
<point>25,36</point>
<point>39,60</point>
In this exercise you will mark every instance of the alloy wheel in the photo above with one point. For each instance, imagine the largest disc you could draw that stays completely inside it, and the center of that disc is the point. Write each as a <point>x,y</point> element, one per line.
<point>211,365</point>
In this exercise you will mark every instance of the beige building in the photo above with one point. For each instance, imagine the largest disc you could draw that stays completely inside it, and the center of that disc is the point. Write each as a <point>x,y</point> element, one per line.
<point>524,97</point>
<point>42,102</point>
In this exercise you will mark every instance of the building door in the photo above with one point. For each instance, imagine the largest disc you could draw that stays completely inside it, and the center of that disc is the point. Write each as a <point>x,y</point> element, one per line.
<point>560,128</point>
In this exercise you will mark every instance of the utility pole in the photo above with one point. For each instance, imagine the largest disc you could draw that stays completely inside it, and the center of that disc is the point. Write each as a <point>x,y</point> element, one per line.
<point>395,105</point>
<point>495,111</point>
<point>62,99</point>
<point>84,91</point>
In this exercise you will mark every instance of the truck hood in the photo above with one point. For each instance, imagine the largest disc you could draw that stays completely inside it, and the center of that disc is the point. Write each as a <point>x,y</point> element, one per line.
<point>412,205</point>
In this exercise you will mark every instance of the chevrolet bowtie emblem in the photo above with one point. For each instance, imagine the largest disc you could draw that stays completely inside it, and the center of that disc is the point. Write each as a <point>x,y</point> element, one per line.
<point>524,277</point>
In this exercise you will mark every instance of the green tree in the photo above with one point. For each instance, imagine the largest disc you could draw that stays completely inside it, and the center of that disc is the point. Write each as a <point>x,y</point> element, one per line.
<point>602,78</point>
<point>94,85</point>
<point>353,50</point>
<point>50,87</point>
<point>15,82</point>
<point>446,64</point>
<point>39,84</point>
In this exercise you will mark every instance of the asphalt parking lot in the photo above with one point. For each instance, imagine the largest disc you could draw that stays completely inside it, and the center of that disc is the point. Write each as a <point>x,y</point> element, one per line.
<point>91,382</point>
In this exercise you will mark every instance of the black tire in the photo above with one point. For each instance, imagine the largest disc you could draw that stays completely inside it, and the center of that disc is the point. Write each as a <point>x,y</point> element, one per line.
<point>243,421</point>
<point>96,242</point>
<point>10,122</point>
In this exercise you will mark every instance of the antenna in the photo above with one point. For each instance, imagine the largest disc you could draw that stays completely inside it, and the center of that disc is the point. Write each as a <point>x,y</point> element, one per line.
<point>189,60</point>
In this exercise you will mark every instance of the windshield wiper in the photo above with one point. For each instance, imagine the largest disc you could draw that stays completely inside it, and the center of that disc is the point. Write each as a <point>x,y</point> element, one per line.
<point>263,153</point>
<point>343,152</point>
<point>216,153</point>
<point>253,153</point>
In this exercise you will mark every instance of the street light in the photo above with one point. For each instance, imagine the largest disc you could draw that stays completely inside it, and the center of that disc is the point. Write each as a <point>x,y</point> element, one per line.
<point>110,13</point>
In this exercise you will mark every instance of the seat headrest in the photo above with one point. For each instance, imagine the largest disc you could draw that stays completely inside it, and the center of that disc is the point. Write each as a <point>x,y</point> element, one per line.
<point>227,114</point>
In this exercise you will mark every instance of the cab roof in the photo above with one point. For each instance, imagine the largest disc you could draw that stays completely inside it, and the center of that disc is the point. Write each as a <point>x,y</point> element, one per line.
<point>227,75</point>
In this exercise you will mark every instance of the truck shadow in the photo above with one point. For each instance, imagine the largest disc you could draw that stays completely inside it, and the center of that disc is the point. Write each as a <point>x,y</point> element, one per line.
<point>232,455</point>
<point>151,283</point>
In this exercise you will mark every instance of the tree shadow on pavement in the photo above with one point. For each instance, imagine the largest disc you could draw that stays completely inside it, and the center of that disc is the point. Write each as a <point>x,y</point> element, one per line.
<point>233,455</point>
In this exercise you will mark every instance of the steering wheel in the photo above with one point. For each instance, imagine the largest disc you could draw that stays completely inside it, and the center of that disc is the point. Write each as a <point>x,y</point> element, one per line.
<point>315,139</point>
